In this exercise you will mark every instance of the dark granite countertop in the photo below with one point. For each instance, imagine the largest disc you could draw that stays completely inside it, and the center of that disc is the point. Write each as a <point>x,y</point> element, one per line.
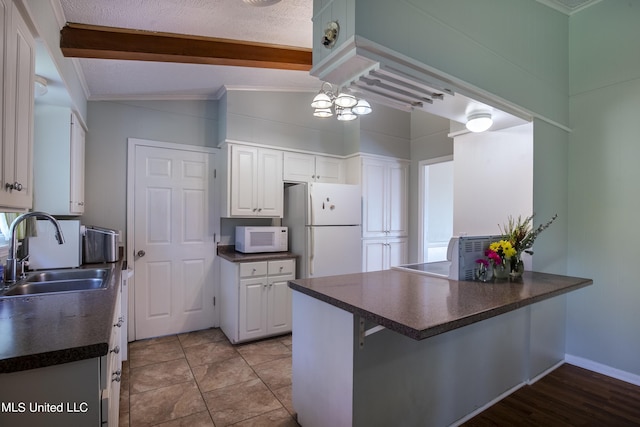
<point>50,329</point>
<point>421,306</point>
<point>229,253</point>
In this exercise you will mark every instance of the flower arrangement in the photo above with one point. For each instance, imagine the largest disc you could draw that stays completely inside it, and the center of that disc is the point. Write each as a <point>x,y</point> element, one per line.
<point>505,255</point>
<point>500,252</point>
<point>521,233</point>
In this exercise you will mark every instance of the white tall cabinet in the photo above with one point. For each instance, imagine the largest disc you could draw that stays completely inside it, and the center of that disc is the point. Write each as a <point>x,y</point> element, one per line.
<point>59,159</point>
<point>17,68</point>
<point>254,186</point>
<point>384,212</point>
<point>255,298</point>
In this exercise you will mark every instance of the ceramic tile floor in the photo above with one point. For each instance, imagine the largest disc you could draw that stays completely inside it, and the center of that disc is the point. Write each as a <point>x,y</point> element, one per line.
<point>199,379</point>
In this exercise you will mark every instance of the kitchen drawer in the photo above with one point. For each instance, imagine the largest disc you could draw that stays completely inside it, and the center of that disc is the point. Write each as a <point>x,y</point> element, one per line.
<point>253,269</point>
<point>285,266</point>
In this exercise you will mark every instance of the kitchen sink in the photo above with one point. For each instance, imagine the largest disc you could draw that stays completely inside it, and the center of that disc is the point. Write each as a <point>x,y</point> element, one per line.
<point>56,281</point>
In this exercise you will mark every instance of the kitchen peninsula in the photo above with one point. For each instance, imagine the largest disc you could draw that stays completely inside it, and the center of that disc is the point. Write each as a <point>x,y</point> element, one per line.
<point>398,348</point>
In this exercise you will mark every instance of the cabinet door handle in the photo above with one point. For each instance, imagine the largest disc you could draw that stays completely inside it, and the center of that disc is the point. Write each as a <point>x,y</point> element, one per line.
<point>260,210</point>
<point>120,322</point>
<point>15,186</point>
<point>116,350</point>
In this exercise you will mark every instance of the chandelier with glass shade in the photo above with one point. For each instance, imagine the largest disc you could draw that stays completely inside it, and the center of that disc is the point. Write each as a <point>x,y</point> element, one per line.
<point>346,106</point>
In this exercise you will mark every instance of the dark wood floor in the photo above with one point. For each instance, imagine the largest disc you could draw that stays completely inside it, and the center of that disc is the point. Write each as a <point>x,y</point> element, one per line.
<point>568,396</point>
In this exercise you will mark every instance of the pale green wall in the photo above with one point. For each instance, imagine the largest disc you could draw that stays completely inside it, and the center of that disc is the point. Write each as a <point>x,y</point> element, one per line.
<point>550,173</point>
<point>285,119</point>
<point>111,123</point>
<point>429,140</point>
<point>281,119</point>
<point>603,184</point>
<point>325,11</point>
<point>385,131</point>
<point>516,49</point>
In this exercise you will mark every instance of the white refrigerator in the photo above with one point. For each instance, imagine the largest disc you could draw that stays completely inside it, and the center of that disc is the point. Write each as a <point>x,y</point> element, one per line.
<point>324,228</point>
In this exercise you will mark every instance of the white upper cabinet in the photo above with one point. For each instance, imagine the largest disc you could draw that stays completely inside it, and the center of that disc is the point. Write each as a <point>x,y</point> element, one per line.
<point>17,68</point>
<point>385,204</point>
<point>59,161</point>
<point>300,167</point>
<point>255,187</point>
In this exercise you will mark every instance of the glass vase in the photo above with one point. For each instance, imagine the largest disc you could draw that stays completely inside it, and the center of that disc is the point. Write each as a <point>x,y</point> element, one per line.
<point>501,271</point>
<point>482,273</point>
<point>517,268</point>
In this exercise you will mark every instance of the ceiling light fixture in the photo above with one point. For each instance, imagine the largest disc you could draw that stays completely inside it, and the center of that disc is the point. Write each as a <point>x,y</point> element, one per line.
<point>40,86</point>
<point>347,107</point>
<point>479,122</point>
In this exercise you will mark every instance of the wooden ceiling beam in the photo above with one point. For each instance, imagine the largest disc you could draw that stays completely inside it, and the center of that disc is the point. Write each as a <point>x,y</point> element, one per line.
<point>92,41</point>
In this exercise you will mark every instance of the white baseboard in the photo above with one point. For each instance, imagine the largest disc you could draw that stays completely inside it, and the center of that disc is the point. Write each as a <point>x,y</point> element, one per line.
<point>546,372</point>
<point>570,359</point>
<point>487,405</point>
<point>602,369</point>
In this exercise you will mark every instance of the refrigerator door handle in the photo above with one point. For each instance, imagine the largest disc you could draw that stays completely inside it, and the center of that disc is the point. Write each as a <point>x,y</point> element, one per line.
<point>311,251</point>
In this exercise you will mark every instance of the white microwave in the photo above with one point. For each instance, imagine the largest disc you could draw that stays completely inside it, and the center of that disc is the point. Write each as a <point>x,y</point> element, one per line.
<point>262,239</point>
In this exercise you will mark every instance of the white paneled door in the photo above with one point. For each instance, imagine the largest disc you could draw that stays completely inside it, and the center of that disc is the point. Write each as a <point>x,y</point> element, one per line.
<point>174,244</point>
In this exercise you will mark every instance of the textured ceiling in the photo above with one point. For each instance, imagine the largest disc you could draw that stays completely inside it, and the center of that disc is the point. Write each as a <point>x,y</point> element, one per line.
<point>285,23</point>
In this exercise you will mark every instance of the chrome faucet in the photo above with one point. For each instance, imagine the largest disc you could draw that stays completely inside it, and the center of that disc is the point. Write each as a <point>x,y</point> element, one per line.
<point>11,266</point>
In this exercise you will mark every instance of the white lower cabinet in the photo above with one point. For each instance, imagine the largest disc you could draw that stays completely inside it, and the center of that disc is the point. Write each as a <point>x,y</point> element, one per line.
<point>382,254</point>
<point>81,393</point>
<point>255,299</point>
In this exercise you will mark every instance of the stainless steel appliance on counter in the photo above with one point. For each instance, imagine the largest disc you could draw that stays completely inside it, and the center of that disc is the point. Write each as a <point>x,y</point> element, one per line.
<point>99,245</point>
<point>324,228</point>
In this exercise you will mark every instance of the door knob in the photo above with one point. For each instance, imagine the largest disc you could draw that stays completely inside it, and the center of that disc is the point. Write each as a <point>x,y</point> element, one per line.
<point>141,253</point>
